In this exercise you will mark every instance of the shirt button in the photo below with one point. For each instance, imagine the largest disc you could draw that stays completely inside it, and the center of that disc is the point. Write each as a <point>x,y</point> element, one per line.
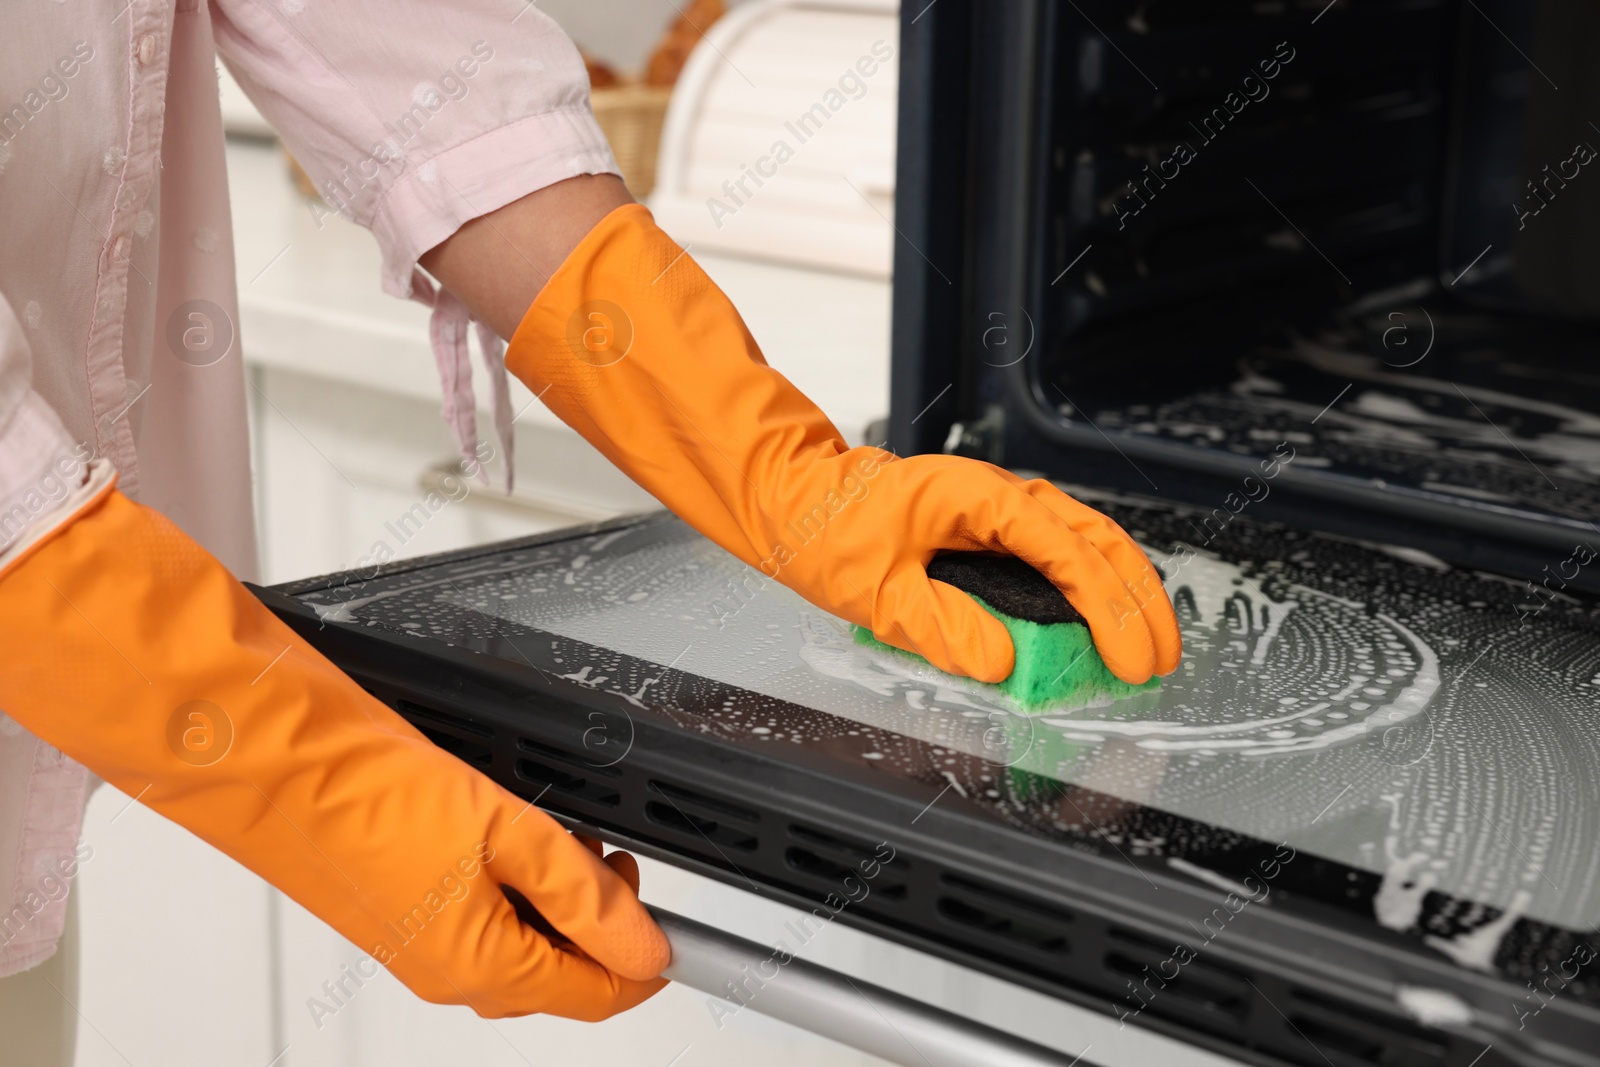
<point>147,49</point>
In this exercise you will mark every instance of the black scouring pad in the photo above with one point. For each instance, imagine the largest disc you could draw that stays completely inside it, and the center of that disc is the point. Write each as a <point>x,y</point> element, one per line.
<point>1056,661</point>
<point>1006,585</point>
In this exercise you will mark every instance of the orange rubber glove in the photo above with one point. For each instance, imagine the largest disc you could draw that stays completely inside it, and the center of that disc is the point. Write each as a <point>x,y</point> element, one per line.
<point>133,651</point>
<point>633,346</point>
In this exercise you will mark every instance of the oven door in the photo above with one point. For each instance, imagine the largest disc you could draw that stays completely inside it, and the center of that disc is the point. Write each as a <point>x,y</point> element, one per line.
<point>1357,822</point>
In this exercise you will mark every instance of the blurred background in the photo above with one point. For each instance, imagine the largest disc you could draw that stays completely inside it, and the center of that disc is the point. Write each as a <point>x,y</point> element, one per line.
<point>347,440</point>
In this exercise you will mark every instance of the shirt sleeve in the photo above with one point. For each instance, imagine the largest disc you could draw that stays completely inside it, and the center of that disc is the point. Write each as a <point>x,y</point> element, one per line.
<point>40,467</point>
<point>414,116</point>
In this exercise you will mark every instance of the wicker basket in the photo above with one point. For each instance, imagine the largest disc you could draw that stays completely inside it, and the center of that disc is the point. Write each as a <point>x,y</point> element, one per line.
<point>631,117</point>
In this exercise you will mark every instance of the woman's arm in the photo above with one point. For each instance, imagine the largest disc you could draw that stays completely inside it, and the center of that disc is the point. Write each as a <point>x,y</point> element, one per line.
<point>497,263</point>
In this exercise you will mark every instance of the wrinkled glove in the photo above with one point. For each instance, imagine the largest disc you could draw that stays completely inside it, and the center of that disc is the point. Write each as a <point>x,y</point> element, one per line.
<point>133,651</point>
<point>632,345</point>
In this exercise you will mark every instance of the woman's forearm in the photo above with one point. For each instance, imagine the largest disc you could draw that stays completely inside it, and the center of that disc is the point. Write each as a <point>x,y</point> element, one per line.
<point>497,263</point>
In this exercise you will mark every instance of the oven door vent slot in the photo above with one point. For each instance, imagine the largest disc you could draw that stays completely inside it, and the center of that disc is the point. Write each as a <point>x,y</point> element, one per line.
<point>999,912</point>
<point>1338,1026</point>
<point>446,731</point>
<point>586,767</point>
<point>567,784</point>
<point>703,819</point>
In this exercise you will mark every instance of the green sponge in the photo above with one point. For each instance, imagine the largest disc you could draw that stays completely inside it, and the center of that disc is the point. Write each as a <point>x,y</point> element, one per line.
<point>1056,664</point>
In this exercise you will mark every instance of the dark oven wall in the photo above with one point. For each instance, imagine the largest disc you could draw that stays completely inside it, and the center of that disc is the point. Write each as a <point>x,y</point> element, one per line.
<point>1156,245</point>
<point>1187,159</point>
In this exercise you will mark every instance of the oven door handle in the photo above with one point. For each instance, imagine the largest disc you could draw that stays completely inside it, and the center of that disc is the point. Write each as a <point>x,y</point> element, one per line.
<point>833,1005</point>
